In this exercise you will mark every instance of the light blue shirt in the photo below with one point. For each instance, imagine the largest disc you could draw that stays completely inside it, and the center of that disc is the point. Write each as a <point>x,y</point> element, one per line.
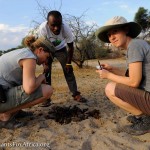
<point>10,70</point>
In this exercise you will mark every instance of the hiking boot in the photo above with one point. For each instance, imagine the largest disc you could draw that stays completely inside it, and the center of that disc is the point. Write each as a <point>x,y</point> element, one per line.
<point>134,119</point>
<point>140,127</point>
<point>12,123</point>
<point>23,114</point>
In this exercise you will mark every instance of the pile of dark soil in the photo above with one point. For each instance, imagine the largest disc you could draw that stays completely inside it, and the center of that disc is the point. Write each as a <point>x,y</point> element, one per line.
<point>76,113</point>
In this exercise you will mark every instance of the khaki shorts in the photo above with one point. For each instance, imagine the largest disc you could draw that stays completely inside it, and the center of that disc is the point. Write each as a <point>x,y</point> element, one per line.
<point>16,96</point>
<point>134,96</point>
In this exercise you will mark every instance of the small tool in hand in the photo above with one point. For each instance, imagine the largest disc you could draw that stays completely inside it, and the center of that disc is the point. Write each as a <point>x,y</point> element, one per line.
<point>100,65</point>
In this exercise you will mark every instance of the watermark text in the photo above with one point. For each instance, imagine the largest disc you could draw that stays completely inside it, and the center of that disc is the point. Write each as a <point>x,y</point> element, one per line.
<point>25,144</point>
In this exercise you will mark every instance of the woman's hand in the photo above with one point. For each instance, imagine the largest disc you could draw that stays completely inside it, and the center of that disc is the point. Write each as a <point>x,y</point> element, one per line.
<point>45,68</point>
<point>107,67</point>
<point>42,77</point>
<point>103,73</point>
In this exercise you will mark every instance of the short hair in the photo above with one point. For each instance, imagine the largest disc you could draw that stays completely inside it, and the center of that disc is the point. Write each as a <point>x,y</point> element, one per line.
<point>54,13</point>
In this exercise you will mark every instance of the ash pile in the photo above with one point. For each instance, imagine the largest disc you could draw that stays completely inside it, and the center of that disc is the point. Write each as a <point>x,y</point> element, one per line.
<point>65,114</point>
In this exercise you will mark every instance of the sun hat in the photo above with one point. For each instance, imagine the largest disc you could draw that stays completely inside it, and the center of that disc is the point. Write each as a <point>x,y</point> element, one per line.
<point>47,43</point>
<point>117,22</point>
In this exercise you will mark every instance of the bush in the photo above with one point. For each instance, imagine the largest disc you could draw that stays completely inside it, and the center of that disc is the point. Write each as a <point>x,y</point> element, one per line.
<point>102,53</point>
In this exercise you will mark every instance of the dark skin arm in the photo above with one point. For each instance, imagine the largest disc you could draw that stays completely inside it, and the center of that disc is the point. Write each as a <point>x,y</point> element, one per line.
<point>70,52</point>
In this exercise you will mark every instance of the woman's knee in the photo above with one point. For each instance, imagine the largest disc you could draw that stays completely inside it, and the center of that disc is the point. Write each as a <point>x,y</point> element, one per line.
<point>110,89</point>
<point>47,90</point>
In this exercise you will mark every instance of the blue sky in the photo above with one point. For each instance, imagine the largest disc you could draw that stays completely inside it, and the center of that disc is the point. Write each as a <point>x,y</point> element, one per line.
<point>17,16</point>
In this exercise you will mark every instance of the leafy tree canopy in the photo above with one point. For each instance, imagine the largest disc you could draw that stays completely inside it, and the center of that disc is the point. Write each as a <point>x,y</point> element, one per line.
<point>143,18</point>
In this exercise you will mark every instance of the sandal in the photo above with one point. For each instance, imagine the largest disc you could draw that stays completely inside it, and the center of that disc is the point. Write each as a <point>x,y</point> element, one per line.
<point>23,114</point>
<point>12,123</point>
<point>80,99</point>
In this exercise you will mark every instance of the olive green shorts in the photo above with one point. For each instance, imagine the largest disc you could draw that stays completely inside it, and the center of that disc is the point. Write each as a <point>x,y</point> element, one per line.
<point>16,96</point>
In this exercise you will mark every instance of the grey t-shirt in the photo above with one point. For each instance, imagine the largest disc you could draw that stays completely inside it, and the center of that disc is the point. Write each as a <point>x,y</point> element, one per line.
<point>139,50</point>
<point>10,71</point>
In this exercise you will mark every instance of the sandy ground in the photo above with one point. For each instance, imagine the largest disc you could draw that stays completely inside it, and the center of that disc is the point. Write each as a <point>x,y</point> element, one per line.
<point>89,134</point>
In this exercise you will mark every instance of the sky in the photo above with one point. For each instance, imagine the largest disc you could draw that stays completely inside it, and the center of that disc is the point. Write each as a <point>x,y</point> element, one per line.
<point>18,17</point>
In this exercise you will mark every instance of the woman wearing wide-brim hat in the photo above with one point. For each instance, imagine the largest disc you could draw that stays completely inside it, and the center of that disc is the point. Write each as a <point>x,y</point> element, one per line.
<point>130,92</point>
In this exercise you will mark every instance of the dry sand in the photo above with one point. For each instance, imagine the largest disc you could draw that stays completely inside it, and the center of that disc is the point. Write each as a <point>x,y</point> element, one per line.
<point>89,134</point>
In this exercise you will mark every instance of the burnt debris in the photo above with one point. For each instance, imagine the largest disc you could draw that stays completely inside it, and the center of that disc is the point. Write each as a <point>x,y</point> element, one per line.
<point>66,114</point>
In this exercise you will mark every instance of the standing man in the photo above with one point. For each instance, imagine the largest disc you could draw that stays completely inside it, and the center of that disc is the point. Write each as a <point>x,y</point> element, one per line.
<point>61,36</point>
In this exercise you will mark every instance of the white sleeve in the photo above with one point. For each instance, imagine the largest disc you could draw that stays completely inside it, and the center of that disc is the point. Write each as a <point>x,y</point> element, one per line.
<point>68,33</point>
<point>42,30</point>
